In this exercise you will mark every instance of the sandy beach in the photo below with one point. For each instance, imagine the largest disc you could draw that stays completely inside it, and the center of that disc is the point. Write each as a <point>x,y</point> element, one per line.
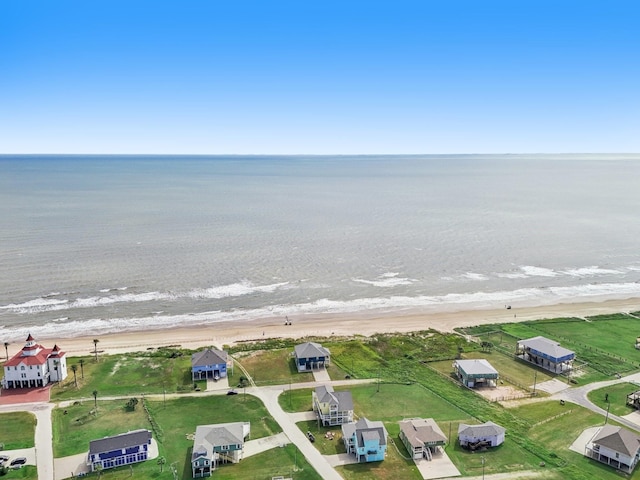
<point>366,323</point>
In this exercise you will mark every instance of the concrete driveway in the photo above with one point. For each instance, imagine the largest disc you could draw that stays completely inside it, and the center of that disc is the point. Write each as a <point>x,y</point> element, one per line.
<point>254,447</point>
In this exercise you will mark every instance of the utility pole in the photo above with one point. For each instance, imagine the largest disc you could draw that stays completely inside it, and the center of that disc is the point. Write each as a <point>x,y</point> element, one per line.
<point>535,378</point>
<point>482,458</point>
<point>606,419</point>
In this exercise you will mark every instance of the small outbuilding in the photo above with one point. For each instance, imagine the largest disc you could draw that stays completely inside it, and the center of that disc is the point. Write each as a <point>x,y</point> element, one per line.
<point>487,434</point>
<point>476,373</point>
<point>545,353</point>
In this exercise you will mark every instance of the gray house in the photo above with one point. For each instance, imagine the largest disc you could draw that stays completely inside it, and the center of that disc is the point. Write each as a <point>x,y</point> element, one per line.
<point>615,446</point>
<point>422,437</point>
<point>546,354</point>
<point>311,356</point>
<point>476,373</point>
<point>223,442</point>
<point>210,363</point>
<point>487,434</point>
<point>332,408</point>
<point>118,450</point>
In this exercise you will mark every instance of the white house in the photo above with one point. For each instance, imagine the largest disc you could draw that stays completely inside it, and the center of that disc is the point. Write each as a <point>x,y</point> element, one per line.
<point>615,446</point>
<point>213,444</point>
<point>35,366</point>
<point>487,434</point>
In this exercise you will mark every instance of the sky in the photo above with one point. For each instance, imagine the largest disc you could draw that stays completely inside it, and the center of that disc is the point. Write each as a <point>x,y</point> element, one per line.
<point>319,77</point>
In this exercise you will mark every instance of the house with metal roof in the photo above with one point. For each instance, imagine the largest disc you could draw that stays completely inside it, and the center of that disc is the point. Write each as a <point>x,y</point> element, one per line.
<point>615,446</point>
<point>545,353</point>
<point>476,373</point>
<point>35,366</point>
<point>310,356</point>
<point>210,363</point>
<point>332,408</point>
<point>422,437</point>
<point>118,450</point>
<point>213,444</point>
<point>365,439</point>
<point>487,434</point>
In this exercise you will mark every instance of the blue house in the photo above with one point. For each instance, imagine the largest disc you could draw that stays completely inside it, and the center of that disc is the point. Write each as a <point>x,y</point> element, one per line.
<point>123,449</point>
<point>545,353</point>
<point>210,363</point>
<point>365,439</point>
<point>311,356</point>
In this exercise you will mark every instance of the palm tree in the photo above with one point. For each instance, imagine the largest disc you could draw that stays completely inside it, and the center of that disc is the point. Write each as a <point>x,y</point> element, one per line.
<point>95,399</point>
<point>81,362</point>
<point>74,369</point>
<point>95,347</point>
<point>161,462</point>
<point>6,349</point>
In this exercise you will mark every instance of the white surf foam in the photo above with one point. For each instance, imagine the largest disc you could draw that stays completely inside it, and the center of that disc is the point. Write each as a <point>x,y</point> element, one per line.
<point>386,280</point>
<point>475,276</point>
<point>532,271</point>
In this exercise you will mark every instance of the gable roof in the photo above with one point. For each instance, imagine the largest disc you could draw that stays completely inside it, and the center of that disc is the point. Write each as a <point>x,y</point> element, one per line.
<point>210,356</point>
<point>476,367</point>
<point>33,354</point>
<point>548,347</point>
<point>342,400</point>
<point>487,429</point>
<point>222,434</point>
<point>310,350</point>
<point>421,431</point>
<point>618,439</point>
<point>365,429</point>
<point>124,440</point>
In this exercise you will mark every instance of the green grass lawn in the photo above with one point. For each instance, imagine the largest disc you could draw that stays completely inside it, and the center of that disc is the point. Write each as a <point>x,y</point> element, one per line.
<point>131,374</point>
<point>325,445</point>
<point>17,430</point>
<point>617,398</point>
<point>297,400</point>
<point>272,367</point>
<point>28,472</point>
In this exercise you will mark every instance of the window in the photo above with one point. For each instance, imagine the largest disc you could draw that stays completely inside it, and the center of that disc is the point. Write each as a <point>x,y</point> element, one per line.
<point>22,367</point>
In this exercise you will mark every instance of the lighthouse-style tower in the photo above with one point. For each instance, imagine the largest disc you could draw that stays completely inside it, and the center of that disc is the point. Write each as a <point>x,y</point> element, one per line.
<point>35,366</point>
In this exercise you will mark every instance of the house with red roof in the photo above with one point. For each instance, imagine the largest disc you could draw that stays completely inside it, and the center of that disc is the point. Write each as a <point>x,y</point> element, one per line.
<point>35,366</point>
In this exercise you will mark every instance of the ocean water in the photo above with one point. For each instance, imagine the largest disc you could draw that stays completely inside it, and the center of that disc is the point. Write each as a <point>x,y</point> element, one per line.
<point>96,244</point>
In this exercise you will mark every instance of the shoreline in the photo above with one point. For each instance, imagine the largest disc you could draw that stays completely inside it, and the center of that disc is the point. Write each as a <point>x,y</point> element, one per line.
<point>326,325</point>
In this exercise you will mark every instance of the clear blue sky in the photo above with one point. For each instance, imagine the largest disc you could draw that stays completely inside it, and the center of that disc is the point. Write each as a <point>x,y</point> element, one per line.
<point>305,76</point>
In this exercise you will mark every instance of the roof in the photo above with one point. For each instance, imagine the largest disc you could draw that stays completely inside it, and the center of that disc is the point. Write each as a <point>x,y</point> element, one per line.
<point>222,434</point>
<point>365,429</point>
<point>343,400</point>
<point>33,354</point>
<point>476,367</point>
<point>211,356</point>
<point>487,429</point>
<point>311,349</point>
<point>548,347</point>
<point>618,439</point>
<point>124,440</point>
<point>422,431</point>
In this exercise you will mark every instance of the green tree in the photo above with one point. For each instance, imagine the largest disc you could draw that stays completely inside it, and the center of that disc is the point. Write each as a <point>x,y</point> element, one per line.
<point>6,349</point>
<point>95,399</point>
<point>162,461</point>
<point>95,348</point>
<point>81,362</point>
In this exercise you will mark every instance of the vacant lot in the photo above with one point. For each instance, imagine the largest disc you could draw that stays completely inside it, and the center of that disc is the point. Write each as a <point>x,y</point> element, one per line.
<point>272,367</point>
<point>17,430</point>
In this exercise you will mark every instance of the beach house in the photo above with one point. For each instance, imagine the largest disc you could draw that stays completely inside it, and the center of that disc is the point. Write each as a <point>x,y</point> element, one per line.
<point>476,373</point>
<point>219,443</point>
<point>546,354</point>
<point>34,366</point>
<point>332,408</point>
<point>210,363</point>
<point>487,434</point>
<point>615,446</point>
<point>118,450</point>
<point>310,356</point>
<point>365,439</point>
<point>422,437</point>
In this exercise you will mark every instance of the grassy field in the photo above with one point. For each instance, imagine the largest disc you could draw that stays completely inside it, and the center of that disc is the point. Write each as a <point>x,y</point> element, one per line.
<point>17,430</point>
<point>616,396</point>
<point>28,472</point>
<point>272,367</point>
<point>297,400</point>
<point>133,374</point>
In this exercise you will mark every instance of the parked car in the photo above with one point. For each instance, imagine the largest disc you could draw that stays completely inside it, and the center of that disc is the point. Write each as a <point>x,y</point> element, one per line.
<point>311,437</point>
<point>18,462</point>
<point>232,392</point>
<point>4,458</point>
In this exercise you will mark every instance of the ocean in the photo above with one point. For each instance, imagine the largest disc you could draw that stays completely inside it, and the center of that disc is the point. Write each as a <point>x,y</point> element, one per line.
<point>99,244</point>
